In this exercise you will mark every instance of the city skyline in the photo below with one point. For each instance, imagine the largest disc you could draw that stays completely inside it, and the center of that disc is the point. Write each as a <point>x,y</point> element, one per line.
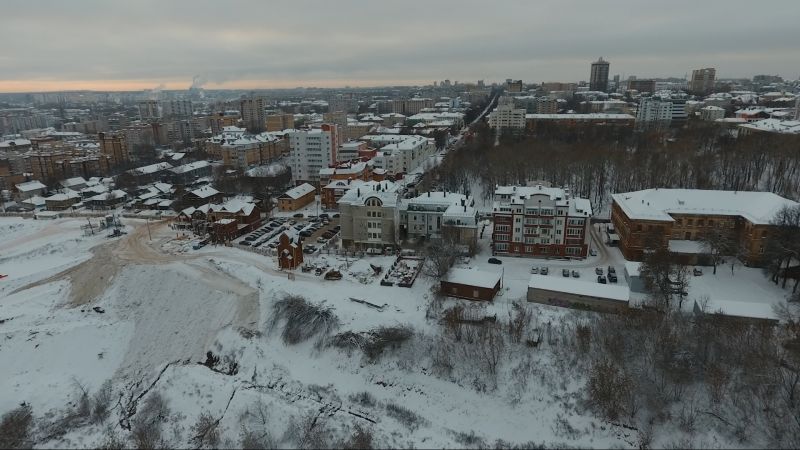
<point>112,46</point>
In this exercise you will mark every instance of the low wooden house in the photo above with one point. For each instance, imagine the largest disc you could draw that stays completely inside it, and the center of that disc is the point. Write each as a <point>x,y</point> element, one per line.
<point>471,284</point>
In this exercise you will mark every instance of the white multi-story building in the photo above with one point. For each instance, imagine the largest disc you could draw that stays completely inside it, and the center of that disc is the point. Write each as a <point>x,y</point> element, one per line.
<point>312,150</point>
<point>540,221</point>
<point>654,112</point>
<point>370,215</point>
<point>506,116</point>
<point>712,113</point>
<point>435,214</point>
<point>404,156</point>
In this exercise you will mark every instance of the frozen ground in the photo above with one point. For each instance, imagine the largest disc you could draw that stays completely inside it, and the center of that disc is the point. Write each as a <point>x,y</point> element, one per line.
<point>164,306</point>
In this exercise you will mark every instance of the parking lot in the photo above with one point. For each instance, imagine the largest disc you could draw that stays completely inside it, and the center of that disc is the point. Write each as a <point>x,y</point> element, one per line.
<point>314,232</point>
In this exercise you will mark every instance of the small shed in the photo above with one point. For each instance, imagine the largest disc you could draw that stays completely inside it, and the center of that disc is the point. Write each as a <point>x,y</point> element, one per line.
<point>471,284</point>
<point>571,293</point>
<point>633,277</point>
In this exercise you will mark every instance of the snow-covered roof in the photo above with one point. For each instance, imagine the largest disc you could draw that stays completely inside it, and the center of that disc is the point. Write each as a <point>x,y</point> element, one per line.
<point>30,186</point>
<point>14,143</point>
<point>64,196</point>
<point>518,195</point>
<point>685,246</point>
<point>344,168</point>
<point>205,192</point>
<point>35,201</point>
<point>589,116</point>
<point>190,167</point>
<point>632,268</point>
<point>473,277</point>
<point>454,205</point>
<point>225,221</point>
<point>755,310</point>
<point>657,204</point>
<point>75,181</point>
<point>341,184</point>
<point>385,191</point>
<point>577,287</point>
<point>299,191</point>
<point>151,169</point>
<point>775,126</point>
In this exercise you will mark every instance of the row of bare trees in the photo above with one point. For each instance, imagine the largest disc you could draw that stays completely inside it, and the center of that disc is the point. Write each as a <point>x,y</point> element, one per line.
<point>594,161</point>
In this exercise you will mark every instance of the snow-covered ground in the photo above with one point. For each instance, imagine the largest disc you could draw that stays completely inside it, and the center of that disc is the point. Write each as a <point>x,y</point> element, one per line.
<point>162,306</point>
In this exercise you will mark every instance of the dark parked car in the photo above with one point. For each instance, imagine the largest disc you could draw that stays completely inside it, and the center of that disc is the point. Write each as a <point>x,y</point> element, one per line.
<point>697,272</point>
<point>611,269</point>
<point>245,243</point>
<point>298,215</point>
<point>495,261</point>
<point>336,216</point>
<point>544,271</point>
<point>612,278</point>
<point>598,270</point>
<point>601,279</point>
<point>305,233</point>
<point>576,274</point>
<point>565,272</point>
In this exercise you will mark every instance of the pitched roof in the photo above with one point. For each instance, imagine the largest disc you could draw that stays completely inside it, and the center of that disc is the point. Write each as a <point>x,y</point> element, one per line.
<point>299,191</point>
<point>657,204</point>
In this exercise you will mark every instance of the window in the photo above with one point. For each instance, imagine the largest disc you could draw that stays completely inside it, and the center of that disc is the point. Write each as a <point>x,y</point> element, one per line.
<point>544,250</point>
<point>530,240</point>
<point>574,231</point>
<point>502,237</point>
<point>501,247</point>
<point>475,293</point>
<point>528,249</point>
<point>502,228</point>
<point>573,251</point>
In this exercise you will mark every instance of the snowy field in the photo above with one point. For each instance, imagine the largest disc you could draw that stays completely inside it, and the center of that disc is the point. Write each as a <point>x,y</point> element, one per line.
<point>142,312</point>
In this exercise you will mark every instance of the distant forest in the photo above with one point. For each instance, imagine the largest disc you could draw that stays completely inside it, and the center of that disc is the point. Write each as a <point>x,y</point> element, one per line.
<point>595,161</point>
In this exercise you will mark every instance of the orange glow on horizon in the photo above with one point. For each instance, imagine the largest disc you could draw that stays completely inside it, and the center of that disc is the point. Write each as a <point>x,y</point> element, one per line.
<point>17,86</point>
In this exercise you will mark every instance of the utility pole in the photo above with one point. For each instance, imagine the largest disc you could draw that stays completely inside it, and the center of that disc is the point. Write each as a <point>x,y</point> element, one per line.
<point>150,236</point>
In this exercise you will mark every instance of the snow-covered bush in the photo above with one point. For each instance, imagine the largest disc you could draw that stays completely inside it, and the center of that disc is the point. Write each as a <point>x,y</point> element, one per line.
<point>302,319</point>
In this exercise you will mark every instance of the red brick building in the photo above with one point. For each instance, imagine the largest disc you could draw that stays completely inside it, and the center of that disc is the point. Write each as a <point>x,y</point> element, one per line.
<point>290,253</point>
<point>540,221</point>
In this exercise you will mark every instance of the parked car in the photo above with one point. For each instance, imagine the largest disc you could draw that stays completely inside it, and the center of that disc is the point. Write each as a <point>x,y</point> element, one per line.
<point>612,278</point>
<point>309,249</point>
<point>611,269</point>
<point>598,270</point>
<point>544,271</point>
<point>534,270</point>
<point>324,216</point>
<point>335,216</point>
<point>576,274</point>
<point>245,243</point>
<point>697,272</point>
<point>322,240</point>
<point>565,273</point>
<point>327,235</point>
<point>305,233</point>
<point>495,261</point>
<point>601,279</point>
<point>592,252</point>
<point>299,215</point>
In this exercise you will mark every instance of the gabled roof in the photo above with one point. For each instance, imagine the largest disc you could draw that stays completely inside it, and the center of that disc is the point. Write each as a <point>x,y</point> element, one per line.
<point>204,192</point>
<point>299,191</point>
<point>30,186</point>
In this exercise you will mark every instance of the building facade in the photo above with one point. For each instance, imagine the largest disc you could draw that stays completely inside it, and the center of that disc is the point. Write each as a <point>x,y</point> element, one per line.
<point>311,151</point>
<point>642,218</point>
<point>253,113</point>
<point>540,221</point>
<point>598,78</point>
<point>702,81</point>
<point>370,215</point>
<point>440,215</point>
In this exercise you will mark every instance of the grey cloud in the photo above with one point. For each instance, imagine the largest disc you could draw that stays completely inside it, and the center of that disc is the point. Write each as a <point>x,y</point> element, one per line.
<point>350,40</point>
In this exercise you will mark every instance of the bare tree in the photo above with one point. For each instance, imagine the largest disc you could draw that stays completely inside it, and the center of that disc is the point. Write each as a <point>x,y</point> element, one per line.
<point>16,426</point>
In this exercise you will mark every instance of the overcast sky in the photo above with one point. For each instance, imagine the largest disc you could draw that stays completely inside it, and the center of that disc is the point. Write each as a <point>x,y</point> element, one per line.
<point>109,44</point>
